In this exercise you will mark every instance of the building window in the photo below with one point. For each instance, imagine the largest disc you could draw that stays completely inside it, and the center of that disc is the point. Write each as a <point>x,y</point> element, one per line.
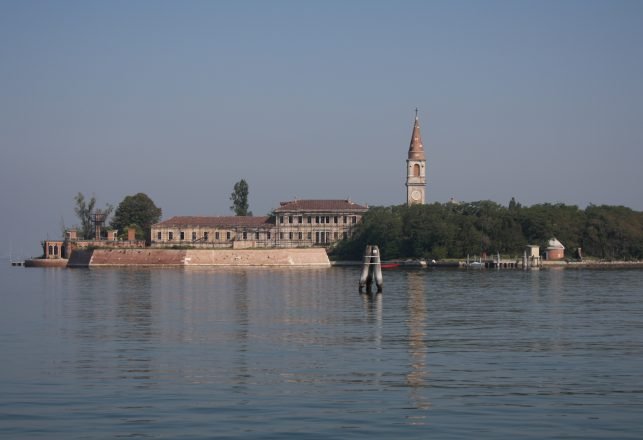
<point>336,235</point>
<point>335,219</point>
<point>268,235</point>
<point>345,219</point>
<point>281,219</point>
<point>310,235</point>
<point>301,219</point>
<point>216,235</point>
<point>51,250</point>
<point>327,219</point>
<point>181,235</point>
<point>281,236</point>
<point>290,235</point>
<point>193,236</point>
<point>227,235</point>
<point>170,236</point>
<point>55,249</point>
<point>310,219</point>
<point>317,219</point>
<point>301,235</point>
<point>290,219</point>
<point>158,235</point>
<point>354,219</point>
<point>245,235</point>
<point>256,236</point>
<point>206,235</point>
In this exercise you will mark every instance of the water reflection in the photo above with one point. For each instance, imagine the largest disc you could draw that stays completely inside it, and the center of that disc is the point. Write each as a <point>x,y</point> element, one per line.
<point>121,319</point>
<point>241,314</point>
<point>134,328</point>
<point>277,353</point>
<point>373,308</point>
<point>417,377</point>
<point>115,339</point>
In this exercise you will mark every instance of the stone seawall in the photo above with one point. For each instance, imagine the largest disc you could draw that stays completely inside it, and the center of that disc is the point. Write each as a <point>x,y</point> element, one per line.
<point>46,262</point>
<point>200,257</point>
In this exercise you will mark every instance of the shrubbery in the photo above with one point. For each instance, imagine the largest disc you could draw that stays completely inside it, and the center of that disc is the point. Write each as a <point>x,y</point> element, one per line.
<point>451,230</point>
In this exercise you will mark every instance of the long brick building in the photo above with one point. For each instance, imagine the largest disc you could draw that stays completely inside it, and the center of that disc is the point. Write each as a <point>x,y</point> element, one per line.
<point>297,223</point>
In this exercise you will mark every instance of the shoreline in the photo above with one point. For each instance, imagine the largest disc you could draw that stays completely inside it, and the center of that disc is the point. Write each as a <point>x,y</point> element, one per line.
<point>265,258</point>
<point>593,265</point>
<point>418,264</point>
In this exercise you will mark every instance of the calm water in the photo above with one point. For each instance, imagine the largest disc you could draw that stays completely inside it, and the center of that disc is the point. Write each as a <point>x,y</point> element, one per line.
<point>299,354</point>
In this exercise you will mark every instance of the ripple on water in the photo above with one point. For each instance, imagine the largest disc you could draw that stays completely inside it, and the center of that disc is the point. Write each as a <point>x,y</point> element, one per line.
<point>298,353</point>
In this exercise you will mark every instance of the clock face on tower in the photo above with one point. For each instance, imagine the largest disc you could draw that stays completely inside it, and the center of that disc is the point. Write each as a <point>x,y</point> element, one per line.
<point>416,195</point>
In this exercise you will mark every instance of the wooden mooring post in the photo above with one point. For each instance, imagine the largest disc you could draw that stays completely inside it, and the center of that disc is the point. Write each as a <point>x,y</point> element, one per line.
<point>371,270</point>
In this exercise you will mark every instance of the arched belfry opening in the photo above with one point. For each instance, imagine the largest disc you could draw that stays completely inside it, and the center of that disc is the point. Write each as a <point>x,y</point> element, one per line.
<point>416,170</point>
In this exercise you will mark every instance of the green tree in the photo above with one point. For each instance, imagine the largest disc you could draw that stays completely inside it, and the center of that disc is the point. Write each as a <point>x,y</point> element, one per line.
<point>454,230</point>
<point>239,198</point>
<point>84,210</point>
<point>136,211</point>
<point>613,232</point>
<point>381,226</point>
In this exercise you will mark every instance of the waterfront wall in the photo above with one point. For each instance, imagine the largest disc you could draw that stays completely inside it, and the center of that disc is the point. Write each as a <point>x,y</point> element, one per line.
<point>46,262</point>
<point>199,257</point>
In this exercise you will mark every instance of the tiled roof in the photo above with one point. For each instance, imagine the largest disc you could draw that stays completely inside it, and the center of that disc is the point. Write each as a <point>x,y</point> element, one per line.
<point>416,149</point>
<point>321,206</point>
<point>223,222</point>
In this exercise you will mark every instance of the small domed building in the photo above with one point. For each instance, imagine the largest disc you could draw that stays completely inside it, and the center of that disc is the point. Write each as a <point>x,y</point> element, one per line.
<point>555,250</point>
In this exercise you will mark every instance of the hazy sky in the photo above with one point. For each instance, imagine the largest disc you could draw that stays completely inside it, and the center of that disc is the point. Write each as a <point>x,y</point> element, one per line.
<point>539,100</point>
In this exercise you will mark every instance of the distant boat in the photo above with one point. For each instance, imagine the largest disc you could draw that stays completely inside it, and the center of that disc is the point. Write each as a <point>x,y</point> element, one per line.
<point>474,264</point>
<point>390,265</point>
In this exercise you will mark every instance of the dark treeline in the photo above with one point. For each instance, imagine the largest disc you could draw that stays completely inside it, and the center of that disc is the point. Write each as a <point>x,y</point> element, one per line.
<point>451,230</point>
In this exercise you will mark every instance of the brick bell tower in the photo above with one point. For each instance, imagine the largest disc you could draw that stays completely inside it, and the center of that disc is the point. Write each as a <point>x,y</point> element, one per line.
<point>416,168</point>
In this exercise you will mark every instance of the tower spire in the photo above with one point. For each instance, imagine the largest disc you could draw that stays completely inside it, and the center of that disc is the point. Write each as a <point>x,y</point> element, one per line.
<point>416,149</point>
